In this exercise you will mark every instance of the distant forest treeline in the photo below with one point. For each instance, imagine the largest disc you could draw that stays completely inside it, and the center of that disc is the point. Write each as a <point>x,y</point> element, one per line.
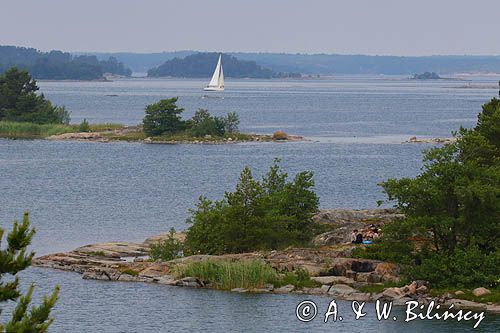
<point>329,64</point>
<point>203,65</point>
<point>57,65</point>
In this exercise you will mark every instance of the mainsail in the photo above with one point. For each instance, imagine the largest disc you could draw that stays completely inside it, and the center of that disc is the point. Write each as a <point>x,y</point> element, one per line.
<point>217,81</point>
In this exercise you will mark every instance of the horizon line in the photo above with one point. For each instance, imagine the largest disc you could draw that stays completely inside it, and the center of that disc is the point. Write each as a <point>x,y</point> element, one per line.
<point>263,52</point>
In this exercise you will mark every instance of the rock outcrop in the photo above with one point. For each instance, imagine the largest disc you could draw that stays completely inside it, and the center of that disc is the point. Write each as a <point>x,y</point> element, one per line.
<point>330,266</point>
<point>345,221</point>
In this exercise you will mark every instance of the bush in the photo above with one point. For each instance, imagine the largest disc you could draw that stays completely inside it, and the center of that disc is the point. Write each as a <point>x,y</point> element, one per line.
<point>300,278</point>
<point>164,118</point>
<point>84,126</point>
<point>465,268</point>
<point>167,249</point>
<point>268,214</point>
<point>203,123</point>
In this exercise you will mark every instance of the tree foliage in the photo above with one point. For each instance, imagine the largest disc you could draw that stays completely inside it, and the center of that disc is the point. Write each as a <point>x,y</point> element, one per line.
<point>268,214</point>
<point>452,210</point>
<point>203,64</point>
<point>203,123</point>
<point>164,118</point>
<point>13,259</point>
<point>20,102</point>
<point>167,249</point>
<point>57,65</point>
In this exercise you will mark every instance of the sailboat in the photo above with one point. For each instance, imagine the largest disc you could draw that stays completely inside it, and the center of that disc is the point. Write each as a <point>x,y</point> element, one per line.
<point>217,81</point>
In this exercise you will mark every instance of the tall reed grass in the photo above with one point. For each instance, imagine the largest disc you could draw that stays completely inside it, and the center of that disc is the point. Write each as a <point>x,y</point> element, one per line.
<point>243,274</point>
<point>229,275</point>
<point>26,130</point>
<point>10,129</point>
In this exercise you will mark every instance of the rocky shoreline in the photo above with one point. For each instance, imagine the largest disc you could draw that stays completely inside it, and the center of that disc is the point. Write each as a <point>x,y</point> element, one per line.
<point>414,139</point>
<point>132,134</point>
<point>329,264</point>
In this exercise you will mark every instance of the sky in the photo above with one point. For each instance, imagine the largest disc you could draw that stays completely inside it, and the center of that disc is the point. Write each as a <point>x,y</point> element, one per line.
<point>375,27</point>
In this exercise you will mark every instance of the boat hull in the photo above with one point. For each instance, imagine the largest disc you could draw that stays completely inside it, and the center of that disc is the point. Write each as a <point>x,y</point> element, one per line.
<point>213,89</point>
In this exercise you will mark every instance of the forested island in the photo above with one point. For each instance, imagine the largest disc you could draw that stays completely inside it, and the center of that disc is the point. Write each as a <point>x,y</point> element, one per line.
<point>202,65</point>
<point>58,65</point>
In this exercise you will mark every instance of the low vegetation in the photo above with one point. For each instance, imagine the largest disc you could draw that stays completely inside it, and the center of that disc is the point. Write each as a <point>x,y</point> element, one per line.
<point>252,274</point>
<point>26,130</point>
<point>167,249</point>
<point>164,119</point>
<point>128,271</point>
<point>20,130</point>
<point>272,213</point>
<point>494,297</point>
<point>450,234</point>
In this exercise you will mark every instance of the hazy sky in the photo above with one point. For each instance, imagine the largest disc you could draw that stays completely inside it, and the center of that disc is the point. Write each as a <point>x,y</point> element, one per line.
<point>397,27</point>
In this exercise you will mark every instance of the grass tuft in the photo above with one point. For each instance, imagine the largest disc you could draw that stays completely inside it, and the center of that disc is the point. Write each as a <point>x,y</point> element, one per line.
<point>242,274</point>
<point>9,129</point>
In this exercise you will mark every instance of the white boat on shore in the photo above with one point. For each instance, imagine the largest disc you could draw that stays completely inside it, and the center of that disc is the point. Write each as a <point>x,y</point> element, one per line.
<point>217,81</point>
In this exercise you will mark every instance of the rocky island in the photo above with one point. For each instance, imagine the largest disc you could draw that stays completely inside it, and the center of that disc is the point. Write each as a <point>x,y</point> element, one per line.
<point>332,269</point>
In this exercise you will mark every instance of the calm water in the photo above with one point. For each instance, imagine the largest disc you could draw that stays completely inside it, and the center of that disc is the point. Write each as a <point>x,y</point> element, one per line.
<point>80,193</point>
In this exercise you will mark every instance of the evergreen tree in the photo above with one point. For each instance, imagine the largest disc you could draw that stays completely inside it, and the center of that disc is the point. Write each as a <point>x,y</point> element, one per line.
<point>13,259</point>
<point>452,210</point>
<point>20,102</point>
<point>163,118</point>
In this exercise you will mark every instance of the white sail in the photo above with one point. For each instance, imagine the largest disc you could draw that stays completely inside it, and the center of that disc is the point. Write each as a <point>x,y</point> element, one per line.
<point>217,81</point>
<point>221,78</point>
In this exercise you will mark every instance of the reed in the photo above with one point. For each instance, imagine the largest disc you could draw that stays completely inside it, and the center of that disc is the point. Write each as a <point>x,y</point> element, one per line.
<point>9,129</point>
<point>229,275</point>
<point>243,274</point>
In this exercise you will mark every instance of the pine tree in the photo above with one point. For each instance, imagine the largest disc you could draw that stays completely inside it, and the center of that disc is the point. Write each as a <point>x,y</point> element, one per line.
<point>13,259</point>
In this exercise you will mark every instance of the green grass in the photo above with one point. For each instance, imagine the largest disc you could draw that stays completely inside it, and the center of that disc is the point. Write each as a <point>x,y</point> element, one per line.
<point>18,130</point>
<point>25,130</point>
<point>105,127</point>
<point>494,297</point>
<point>97,253</point>
<point>299,278</point>
<point>242,274</point>
<point>129,271</point>
<point>378,288</point>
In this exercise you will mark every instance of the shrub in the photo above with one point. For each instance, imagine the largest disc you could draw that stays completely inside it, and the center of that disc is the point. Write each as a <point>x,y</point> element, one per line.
<point>280,135</point>
<point>167,249</point>
<point>268,214</point>
<point>300,278</point>
<point>164,118</point>
<point>84,126</point>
